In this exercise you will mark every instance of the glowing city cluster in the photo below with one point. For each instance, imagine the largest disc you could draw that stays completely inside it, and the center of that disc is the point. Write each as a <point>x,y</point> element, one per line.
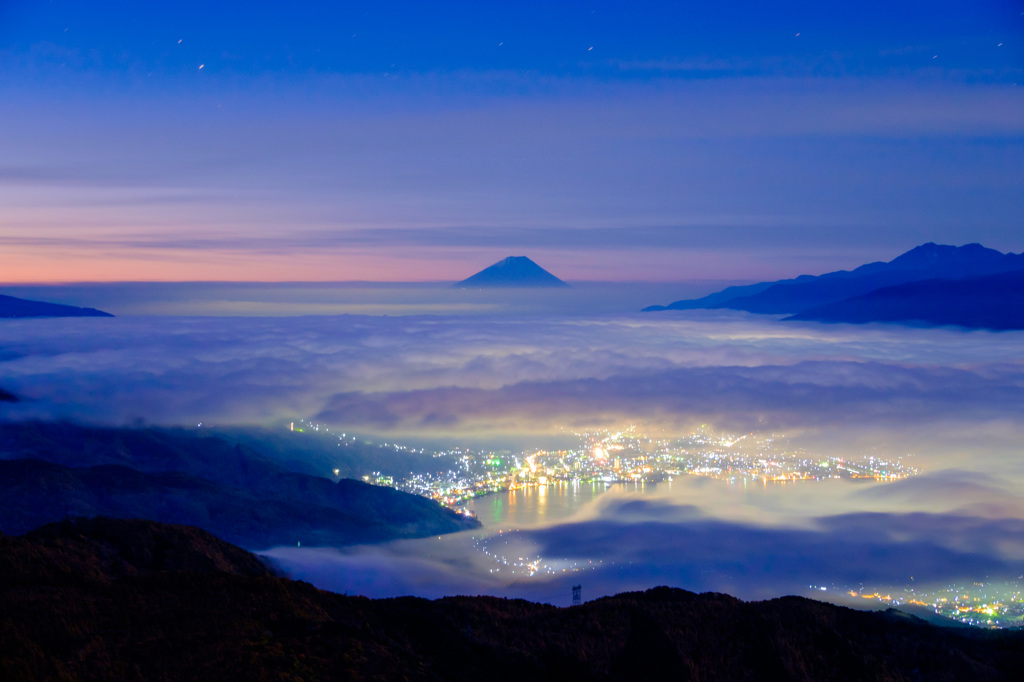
<point>631,455</point>
<point>455,475</point>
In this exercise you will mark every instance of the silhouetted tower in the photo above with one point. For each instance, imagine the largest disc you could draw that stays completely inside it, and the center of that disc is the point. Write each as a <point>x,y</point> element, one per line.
<point>576,598</point>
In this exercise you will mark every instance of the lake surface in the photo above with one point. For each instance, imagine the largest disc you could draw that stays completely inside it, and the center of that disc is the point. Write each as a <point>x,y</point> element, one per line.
<point>542,505</point>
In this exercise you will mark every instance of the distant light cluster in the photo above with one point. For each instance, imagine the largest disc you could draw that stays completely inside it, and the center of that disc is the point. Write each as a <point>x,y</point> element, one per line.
<point>513,561</point>
<point>981,604</point>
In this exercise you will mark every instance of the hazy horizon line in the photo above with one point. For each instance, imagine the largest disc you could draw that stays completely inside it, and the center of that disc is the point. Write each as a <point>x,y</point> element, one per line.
<point>362,282</point>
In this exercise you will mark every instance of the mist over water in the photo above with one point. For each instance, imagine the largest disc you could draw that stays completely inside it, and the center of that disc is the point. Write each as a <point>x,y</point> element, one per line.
<point>525,369</point>
<point>289,299</point>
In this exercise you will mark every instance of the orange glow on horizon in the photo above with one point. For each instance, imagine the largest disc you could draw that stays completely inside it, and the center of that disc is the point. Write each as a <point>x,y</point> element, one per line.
<point>38,268</point>
<point>38,265</point>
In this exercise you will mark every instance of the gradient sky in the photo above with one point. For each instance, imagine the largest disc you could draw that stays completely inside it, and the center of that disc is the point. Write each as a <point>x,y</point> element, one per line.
<point>415,141</point>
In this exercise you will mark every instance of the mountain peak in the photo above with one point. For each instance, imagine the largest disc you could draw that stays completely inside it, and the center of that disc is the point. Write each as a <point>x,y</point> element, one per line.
<point>927,262</point>
<point>946,254</point>
<point>514,271</point>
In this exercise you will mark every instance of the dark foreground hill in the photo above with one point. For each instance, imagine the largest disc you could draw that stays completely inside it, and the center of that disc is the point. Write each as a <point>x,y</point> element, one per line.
<point>514,271</point>
<point>49,471</point>
<point>22,307</point>
<point>133,600</point>
<point>932,284</point>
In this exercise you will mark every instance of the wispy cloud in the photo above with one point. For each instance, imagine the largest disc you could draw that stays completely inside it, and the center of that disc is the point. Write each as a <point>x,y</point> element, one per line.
<point>493,374</point>
<point>768,397</point>
<point>628,542</point>
<point>754,169</point>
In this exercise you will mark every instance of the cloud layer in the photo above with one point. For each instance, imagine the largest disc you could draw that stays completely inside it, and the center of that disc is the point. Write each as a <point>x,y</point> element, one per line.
<point>626,542</point>
<point>953,399</point>
<point>485,374</point>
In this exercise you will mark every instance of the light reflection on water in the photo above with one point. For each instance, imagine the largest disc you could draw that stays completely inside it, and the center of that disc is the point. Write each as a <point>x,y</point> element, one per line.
<point>740,500</point>
<point>543,504</point>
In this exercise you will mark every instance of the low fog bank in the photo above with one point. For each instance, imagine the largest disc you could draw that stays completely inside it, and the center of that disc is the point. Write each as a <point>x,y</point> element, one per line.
<point>455,375</point>
<point>705,535</point>
<point>289,299</point>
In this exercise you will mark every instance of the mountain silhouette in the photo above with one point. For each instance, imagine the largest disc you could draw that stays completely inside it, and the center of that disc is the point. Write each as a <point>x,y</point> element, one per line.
<point>990,302</point>
<point>11,306</point>
<point>513,272</point>
<point>52,470</point>
<point>791,296</point>
<point>932,284</point>
<point>104,599</point>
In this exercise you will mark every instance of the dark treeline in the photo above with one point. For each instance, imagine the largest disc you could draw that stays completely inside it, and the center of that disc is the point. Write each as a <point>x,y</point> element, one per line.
<point>134,600</point>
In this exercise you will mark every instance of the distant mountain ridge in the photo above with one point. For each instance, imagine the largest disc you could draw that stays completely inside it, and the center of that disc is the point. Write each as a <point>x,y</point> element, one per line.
<point>11,306</point>
<point>992,301</point>
<point>514,271</point>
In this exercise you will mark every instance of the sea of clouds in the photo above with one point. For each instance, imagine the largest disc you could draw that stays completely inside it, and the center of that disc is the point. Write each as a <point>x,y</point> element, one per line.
<point>456,375</point>
<point>950,401</point>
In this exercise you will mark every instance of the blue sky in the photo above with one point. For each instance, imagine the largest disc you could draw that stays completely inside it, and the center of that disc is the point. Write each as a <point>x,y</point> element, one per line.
<point>602,39</point>
<point>405,141</point>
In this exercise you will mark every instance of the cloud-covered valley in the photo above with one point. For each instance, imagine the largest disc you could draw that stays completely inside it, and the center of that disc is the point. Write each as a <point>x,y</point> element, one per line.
<point>703,535</point>
<point>952,400</point>
<point>450,375</point>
